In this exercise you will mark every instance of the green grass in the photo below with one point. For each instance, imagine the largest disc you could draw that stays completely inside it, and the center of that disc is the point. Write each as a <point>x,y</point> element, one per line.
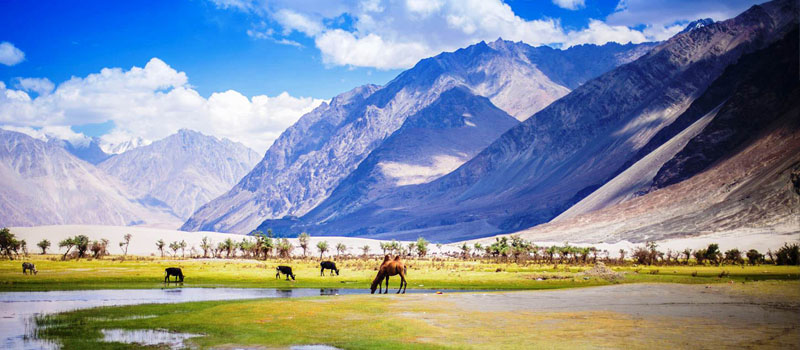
<point>407,322</point>
<point>145,273</point>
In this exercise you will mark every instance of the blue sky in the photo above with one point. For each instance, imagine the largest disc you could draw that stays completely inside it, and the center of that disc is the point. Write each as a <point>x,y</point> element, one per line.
<point>263,63</point>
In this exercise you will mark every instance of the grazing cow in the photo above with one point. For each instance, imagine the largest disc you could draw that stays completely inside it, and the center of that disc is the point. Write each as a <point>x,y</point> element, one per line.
<point>328,265</point>
<point>286,270</point>
<point>26,266</point>
<point>173,271</point>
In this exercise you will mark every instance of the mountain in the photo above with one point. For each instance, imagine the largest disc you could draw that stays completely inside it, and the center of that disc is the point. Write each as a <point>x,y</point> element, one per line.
<point>123,146</point>
<point>696,24</point>
<point>739,176</point>
<point>325,146</point>
<point>563,153</point>
<point>43,184</point>
<point>89,151</point>
<point>181,172</point>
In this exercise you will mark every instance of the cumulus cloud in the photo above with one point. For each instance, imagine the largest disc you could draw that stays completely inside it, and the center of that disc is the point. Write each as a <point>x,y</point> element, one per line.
<point>52,132</point>
<point>10,54</point>
<point>153,102</point>
<point>600,33</point>
<point>41,86</point>
<point>665,18</point>
<point>570,4</point>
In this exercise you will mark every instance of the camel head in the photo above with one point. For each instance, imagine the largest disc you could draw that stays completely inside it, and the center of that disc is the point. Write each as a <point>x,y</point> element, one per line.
<point>378,279</point>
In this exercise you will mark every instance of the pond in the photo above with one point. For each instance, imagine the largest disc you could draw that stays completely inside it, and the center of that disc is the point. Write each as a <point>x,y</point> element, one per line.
<point>18,309</point>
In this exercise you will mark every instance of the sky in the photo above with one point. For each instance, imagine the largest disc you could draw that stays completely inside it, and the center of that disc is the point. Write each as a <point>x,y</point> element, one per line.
<point>248,69</point>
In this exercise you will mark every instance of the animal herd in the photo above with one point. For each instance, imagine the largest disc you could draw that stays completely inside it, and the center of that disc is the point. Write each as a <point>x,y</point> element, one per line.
<point>389,267</point>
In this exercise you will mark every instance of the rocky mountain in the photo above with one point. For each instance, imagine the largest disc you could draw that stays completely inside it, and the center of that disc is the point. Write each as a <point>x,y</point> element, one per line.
<point>41,183</point>
<point>123,146</point>
<point>89,151</point>
<point>181,172</point>
<point>312,157</point>
<point>738,177</point>
<point>566,151</point>
<point>696,24</point>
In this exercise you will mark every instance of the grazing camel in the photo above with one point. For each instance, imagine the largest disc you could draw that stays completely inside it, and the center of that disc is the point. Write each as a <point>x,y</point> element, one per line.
<point>390,268</point>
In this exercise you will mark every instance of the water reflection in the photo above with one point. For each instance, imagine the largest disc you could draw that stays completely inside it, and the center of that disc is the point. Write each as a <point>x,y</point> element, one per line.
<point>147,337</point>
<point>328,291</point>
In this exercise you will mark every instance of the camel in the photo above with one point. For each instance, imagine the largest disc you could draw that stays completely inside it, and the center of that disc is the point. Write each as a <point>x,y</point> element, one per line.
<point>390,268</point>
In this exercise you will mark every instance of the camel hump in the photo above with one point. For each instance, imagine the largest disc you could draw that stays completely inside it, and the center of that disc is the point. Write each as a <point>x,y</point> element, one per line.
<point>397,258</point>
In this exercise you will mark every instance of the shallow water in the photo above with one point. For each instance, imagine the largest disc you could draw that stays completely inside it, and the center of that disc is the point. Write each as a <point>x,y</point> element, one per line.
<point>148,337</point>
<point>18,309</point>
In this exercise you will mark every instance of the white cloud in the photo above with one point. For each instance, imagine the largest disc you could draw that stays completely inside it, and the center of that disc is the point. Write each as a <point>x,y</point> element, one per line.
<point>388,34</point>
<point>52,132</point>
<point>293,21</point>
<point>665,18</point>
<point>41,86</point>
<point>10,54</point>
<point>153,102</point>
<point>570,4</point>
<point>600,33</point>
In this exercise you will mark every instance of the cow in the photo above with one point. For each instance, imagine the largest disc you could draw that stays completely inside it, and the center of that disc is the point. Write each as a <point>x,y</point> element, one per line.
<point>26,266</point>
<point>328,265</point>
<point>286,270</point>
<point>173,271</point>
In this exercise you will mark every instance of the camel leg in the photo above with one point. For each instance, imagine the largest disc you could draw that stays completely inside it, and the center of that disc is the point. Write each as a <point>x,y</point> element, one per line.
<point>387,285</point>
<point>403,283</point>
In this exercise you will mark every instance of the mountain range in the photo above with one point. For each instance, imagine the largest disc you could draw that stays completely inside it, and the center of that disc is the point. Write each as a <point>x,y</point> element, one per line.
<point>57,182</point>
<point>567,151</point>
<point>311,158</point>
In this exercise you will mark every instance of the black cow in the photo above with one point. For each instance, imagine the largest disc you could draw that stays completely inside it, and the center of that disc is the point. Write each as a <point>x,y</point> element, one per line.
<point>173,271</point>
<point>286,270</point>
<point>26,266</point>
<point>328,265</point>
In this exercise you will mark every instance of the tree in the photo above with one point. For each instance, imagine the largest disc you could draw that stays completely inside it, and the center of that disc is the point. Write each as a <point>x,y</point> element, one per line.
<point>465,249</point>
<point>713,254</point>
<point>303,239</point>
<point>687,253</point>
<point>285,248</point>
<point>622,255</point>
<point>183,245</point>
<point>734,256</point>
<point>24,246</point>
<point>788,254</point>
<point>9,245</point>
<point>43,245</point>
<point>174,246</point>
<point>160,245</point>
<point>99,248</point>
<point>422,247</point>
<point>395,247</point>
<point>478,248</point>
<point>205,245</point>
<point>246,247</point>
<point>268,246</point>
<point>322,246</point>
<point>68,242</point>
<point>126,241</point>
<point>340,249</point>
<point>385,246</point>
<point>228,246</point>
<point>82,245</point>
<point>365,250</point>
<point>754,257</point>
<point>700,255</point>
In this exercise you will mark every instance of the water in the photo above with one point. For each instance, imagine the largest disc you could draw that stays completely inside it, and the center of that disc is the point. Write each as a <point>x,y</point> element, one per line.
<point>148,337</point>
<point>18,309</point>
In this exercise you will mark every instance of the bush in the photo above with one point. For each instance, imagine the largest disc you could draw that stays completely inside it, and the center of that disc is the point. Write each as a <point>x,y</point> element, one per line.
<point>788,254</point>
<point>755,257</point>
<point>734,256</point>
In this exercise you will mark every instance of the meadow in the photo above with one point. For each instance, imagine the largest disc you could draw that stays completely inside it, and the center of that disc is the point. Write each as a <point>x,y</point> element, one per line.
<point>483,274</point>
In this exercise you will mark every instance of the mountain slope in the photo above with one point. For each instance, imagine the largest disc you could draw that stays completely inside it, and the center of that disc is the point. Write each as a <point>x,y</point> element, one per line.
<point>42,184</point>
<point>541,167</point>
<point>748,182</point>
<point>90,152</point>
<point>181,172</point>
<point>313,156</point>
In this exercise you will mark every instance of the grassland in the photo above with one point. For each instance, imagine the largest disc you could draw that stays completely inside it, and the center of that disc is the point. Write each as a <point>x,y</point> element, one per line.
<point>141,273</point>
<point>435,322</point>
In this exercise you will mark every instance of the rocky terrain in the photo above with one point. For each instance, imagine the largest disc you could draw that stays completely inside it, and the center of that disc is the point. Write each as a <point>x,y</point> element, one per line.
<point>311,158</point>
<point>42,183</point>
<point>181,172</point>
<point>563,153</point>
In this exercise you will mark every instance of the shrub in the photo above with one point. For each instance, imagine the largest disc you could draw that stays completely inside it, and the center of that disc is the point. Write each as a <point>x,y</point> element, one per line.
<point>788,254</point>
<point>754,257</point>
